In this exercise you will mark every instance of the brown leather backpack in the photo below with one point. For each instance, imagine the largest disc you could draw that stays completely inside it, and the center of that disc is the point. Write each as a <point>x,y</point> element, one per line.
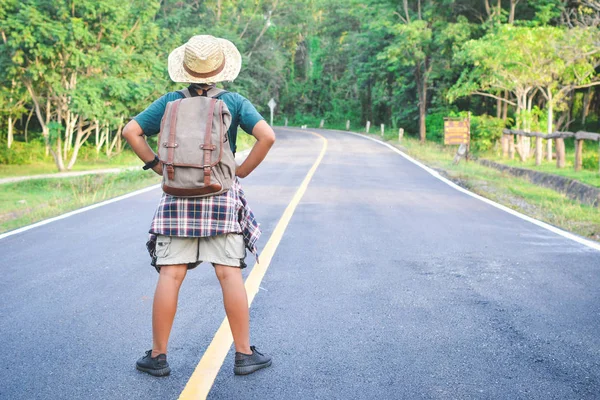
<point>194,147</point>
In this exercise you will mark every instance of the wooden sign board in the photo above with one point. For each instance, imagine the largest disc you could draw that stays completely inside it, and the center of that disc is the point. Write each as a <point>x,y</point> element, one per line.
<point>456,131</point>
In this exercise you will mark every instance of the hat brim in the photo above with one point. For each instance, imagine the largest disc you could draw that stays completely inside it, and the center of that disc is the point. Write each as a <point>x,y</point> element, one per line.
<point>233,64</point>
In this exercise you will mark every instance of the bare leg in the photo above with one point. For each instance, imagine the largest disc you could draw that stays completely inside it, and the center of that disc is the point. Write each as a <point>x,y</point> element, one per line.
<point>165,305</point>
<point>236,305</point>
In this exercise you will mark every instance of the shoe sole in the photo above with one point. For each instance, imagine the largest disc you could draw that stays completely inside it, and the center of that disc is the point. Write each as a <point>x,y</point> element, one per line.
<point>248,369</point>
<point>155,372</point>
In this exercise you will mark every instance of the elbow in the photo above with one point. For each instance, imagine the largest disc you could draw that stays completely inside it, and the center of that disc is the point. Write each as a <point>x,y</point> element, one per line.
<point>128,132</point>
<point>270,139</point>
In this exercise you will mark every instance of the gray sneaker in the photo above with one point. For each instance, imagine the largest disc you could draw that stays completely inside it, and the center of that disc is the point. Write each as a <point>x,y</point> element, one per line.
<point>157,366</point>
<point>248,363</point>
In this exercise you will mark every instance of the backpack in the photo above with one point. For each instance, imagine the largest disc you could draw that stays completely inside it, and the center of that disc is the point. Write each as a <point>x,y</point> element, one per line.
<point>194,147</point>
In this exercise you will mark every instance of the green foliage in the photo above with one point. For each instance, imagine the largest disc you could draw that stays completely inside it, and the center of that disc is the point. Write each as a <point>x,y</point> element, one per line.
<point>590,161</point>
<point>22,153</point>
<point>485,132</point>
<point>435,126</point>
<point>338,60</point>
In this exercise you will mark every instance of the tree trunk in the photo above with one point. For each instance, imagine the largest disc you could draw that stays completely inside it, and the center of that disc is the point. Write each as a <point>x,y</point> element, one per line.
<point>97,129</point>
<point>27,124</point>
<point>265,27</point>
<point>80,139</point>
<point>527,128</point>
<point>423,114</point>
<point>498,108</point>
<point>504,142</point>
<point>550,127</point>
<point>58,159</point>
<point>58,154</point>
<point>578,155</point>
<point>520,124</point>
<point>560,152</point>
<point>587,100</point>
<point>421,76</point>
<point>38,114</point>
<point>10,132</point>
<point>521,148</point>
<point>45,129</point>
<point>511,15</point>
<point>67,127</point>
<point>538,151</point>
<point>405,2</point>
<point>511,146</point>
<point>115,140</point>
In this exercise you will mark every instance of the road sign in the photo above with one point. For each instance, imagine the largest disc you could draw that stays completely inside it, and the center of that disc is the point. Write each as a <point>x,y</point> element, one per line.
<point>457,131</point>
<point>272,105</point>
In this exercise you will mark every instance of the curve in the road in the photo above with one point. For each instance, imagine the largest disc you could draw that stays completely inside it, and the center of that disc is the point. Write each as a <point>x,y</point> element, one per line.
<point>537,222</point>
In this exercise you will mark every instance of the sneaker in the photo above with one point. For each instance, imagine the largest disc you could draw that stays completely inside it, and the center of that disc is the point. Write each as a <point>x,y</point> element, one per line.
<point>157,366</point>
<point>248,363</point>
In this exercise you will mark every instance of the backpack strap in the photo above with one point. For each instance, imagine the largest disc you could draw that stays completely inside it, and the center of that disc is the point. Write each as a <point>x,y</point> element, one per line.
<point>171,144</point>
<point>185,92</point>
<point>213,92</point>
<point>208,146</point>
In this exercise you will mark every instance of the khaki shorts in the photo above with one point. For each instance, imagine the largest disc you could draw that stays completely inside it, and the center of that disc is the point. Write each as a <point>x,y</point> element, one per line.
<point>228,249</point>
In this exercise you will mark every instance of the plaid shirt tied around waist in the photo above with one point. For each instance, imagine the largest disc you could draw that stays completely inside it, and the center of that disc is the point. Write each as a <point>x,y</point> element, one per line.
<point>207,216</point>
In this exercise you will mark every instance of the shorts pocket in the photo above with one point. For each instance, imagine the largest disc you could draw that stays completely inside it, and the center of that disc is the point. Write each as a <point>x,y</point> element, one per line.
<point>234,246</point>
<point>163,245</point>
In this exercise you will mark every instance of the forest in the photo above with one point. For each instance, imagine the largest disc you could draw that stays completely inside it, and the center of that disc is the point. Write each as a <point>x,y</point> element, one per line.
<point>72,73</point>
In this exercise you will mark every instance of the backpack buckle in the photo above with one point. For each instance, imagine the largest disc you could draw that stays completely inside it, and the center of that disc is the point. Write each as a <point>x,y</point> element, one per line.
<point>208,147</point>
<point>167,145</point>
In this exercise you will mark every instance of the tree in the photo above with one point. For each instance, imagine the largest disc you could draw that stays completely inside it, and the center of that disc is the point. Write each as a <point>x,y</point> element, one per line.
<point>69,57</point>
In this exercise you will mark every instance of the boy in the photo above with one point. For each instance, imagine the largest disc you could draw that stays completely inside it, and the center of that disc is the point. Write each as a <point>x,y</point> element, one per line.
<point>188,230</point>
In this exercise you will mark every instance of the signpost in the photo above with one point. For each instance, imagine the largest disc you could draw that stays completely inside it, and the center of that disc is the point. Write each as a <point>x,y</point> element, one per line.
<point>457,131</point>
<point>272,105</point>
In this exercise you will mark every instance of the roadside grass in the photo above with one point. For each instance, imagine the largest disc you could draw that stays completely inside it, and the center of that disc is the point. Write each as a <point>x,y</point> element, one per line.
<point>517,193</point>
<point>588,177</point>
<point>85,162</point>
<point>26,202</point>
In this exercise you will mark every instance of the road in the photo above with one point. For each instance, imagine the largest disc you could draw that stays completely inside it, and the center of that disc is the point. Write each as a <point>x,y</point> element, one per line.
<point>387,284</point>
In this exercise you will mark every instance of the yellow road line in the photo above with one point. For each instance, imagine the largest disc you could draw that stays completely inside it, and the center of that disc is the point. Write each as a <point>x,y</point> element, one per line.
<point>204,375</point>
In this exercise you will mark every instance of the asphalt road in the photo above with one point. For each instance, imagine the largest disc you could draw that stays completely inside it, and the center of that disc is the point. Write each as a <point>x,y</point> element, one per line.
<point>388,284</point>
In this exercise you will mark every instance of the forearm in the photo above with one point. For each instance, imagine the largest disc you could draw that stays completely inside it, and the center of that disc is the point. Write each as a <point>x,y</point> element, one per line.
<point>134,135</point>
<point>265,137</point>
<point>141,148</point>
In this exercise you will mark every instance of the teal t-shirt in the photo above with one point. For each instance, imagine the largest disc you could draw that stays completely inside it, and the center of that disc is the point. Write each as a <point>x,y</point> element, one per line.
<point>242,112</point>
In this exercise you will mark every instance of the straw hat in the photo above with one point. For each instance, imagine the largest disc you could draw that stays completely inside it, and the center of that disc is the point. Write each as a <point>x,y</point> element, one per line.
<point>205,59</point>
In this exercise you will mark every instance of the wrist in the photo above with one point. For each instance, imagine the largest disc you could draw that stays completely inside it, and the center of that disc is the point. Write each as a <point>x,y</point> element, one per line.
<point>239,172</point>
<point>151,164</point>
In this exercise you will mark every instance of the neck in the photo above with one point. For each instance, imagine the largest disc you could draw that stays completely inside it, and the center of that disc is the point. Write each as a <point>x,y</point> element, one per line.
<point>203,86</point>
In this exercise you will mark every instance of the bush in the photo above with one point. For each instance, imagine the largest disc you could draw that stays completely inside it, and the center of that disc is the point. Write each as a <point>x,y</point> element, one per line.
<point>435,126</point>
<point>485,131</point>
<point>23,153</point>
<point>590,161</point>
